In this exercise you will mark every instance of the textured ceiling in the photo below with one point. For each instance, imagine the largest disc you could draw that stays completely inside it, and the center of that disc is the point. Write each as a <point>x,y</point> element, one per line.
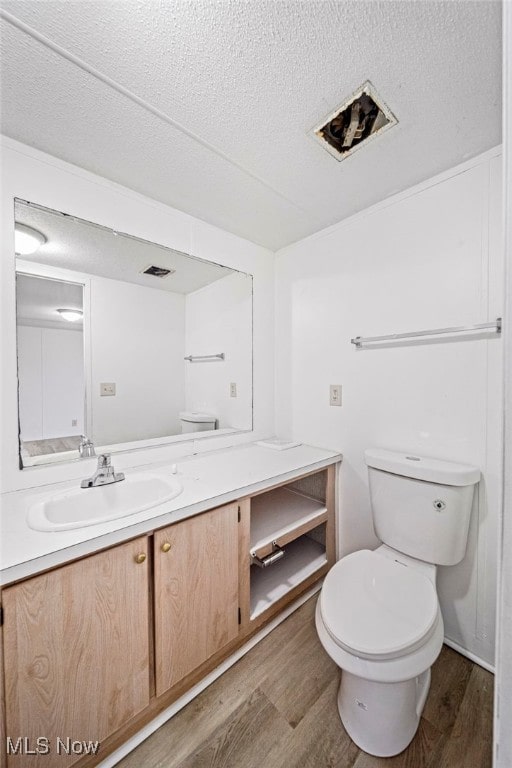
<point>206,104</point>
<point>77,245</point>
<point>37,302</point>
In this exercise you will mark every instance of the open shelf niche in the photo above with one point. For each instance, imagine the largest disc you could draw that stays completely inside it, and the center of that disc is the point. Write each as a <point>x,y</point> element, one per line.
<point>294,518</point>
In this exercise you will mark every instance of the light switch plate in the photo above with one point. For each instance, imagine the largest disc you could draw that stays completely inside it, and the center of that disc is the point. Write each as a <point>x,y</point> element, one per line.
<point>107,389</point>
<point>335,394</point>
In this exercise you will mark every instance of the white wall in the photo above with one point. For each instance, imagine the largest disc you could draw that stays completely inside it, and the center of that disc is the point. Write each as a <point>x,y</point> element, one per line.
<point>52,383</point>
<point>30,367</point>
<point>219,319</point>
<point>38,177</point>
<point>137,343</point>
<point>428,258</point>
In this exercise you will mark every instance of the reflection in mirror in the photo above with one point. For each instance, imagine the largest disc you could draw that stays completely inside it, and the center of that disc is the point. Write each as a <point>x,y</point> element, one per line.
<point>50,363</point>
<point>124,341</point>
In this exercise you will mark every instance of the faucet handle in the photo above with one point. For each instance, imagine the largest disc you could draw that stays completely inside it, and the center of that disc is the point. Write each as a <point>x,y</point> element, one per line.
<point>104,460</point>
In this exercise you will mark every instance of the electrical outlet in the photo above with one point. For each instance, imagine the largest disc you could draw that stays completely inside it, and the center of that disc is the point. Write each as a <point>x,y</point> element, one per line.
<point>74,422</point>
<point>335,394</point>
<point>107,389</point>
<point>232,389</point>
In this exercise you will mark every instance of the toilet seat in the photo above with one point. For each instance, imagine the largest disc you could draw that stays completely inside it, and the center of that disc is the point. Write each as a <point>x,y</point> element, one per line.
<point>378,608</point>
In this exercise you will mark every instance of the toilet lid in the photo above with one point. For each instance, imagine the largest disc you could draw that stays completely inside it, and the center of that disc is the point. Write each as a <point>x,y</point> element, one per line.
<point>376,607</point>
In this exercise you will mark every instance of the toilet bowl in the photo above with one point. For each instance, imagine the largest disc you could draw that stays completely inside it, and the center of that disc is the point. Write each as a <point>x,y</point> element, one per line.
<point>378,613</point>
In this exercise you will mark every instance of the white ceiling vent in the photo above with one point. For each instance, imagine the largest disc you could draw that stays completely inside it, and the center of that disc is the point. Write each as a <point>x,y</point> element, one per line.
<point>158,271</point>
<point>361,117</point>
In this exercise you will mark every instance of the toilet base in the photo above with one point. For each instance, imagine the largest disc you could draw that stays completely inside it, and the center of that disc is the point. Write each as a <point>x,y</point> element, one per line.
<point>382,718</point>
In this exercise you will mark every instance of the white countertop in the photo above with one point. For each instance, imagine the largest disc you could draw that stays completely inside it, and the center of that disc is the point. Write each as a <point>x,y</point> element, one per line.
<point>209,480</point>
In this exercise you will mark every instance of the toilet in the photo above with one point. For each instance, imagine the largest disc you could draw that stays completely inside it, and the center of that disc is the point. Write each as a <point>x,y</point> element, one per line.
<point>378,614</point>
<point>197,421</point>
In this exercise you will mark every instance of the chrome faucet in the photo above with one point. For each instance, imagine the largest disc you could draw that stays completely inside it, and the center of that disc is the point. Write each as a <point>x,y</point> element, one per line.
<point>86,447</point>
<point>104,474</point>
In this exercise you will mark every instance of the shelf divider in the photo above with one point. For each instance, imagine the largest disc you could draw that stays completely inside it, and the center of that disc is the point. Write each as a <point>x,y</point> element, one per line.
<point>282,515</point>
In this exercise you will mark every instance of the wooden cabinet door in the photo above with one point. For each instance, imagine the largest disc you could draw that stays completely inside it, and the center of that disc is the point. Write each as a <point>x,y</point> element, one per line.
<point>76,647</point>
<point>196,592</point>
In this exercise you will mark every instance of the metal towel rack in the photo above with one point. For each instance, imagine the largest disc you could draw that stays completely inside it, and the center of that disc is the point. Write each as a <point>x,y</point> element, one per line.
<point>493,326</point>
<point>204,358</point>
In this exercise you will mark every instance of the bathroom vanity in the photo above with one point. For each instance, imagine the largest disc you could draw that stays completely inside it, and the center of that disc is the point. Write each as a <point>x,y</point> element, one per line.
<point>106,626</point>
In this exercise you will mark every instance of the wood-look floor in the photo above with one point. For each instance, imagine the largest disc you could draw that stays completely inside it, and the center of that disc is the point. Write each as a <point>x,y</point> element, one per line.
<point>276,707</point>
<point>51,445</point>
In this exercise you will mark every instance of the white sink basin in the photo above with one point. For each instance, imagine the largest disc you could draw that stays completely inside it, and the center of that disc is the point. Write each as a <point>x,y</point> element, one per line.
<point>80,507</point>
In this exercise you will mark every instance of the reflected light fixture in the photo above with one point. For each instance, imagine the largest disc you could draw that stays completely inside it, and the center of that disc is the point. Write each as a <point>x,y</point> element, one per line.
<point>26,239</point>
<point>71,314</point>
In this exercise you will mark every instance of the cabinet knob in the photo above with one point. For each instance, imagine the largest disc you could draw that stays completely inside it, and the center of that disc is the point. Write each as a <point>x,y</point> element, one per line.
<point>140,557</point>
<point>166,546</point>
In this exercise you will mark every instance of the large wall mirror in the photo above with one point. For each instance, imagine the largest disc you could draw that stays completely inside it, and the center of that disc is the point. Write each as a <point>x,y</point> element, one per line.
<point>124,341</point>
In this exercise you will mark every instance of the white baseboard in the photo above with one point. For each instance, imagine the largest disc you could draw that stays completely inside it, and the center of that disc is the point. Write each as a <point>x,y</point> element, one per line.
<point>469,655</point>
<point>175,707</point>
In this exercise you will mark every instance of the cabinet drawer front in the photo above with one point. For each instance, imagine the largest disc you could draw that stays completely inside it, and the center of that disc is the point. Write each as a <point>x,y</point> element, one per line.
<point>196,592</point>
<point>76,645</point>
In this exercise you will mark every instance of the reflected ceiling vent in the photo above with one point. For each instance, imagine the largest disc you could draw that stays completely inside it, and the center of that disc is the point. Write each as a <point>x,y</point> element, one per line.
<point>358,119</point>
<point>158,271</point>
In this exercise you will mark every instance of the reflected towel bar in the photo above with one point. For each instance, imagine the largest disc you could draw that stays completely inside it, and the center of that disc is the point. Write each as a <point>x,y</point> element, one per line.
<point>203,358</point>
<point>492,326</point>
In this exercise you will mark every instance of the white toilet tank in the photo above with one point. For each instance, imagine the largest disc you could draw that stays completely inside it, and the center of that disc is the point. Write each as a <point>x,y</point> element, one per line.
<point>421,506</point>
<point>197,421</point>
